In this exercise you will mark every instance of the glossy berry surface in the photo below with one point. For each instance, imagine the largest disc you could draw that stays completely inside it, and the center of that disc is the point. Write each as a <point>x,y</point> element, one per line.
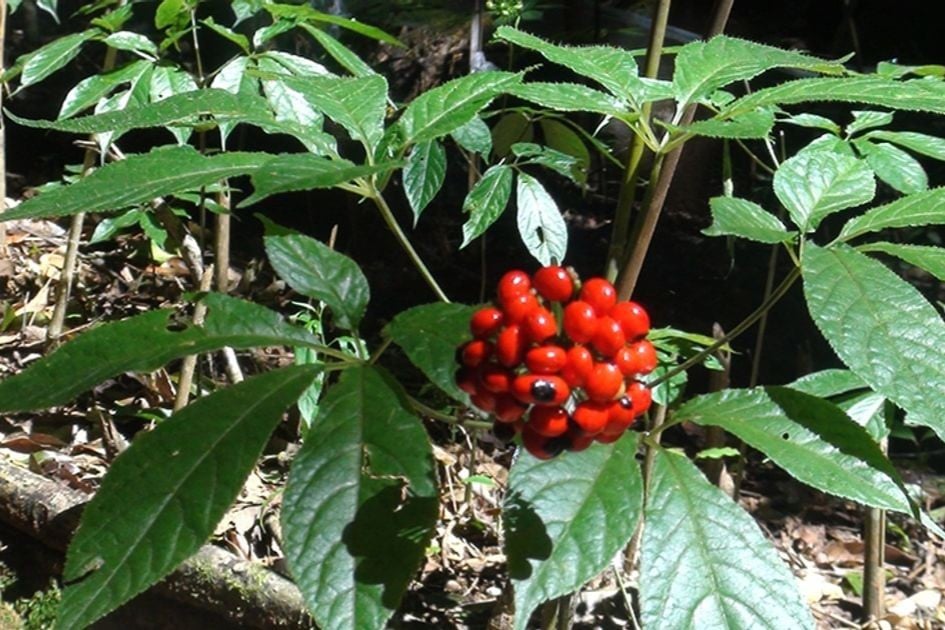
<point>553,283</point>
<point>485,322</point>
<point>600,294</point>
<point>580,321</point>
<point>548,359</point>
<point>512,284</point>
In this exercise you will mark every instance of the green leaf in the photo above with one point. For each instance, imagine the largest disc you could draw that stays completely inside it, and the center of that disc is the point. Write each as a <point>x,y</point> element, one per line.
<point>756,124</point>
<point>44,61</point>
<point>287,103</point>
<point>512,128</point>
<point>339,52</point>
<point>921,143</point>
<point>163,497</point>
<point>446,108</point>
<point>614,68</point>
<point>561,163</point>
<point>704,563</point>
<point>703,67</point>
<point>810,438</point>
<point>566,518</point>
<point>569,97</point>
<point>540,223</point>
<point>429,335</point>
<point>827,383</point>
<point>304,171</point>
<point>474,136</point>
<point>89,91</point>
<point>423,175</point>
<point>815,184</point>
<point>133,42</point>
<point>227,33</point>
<point>813,121</point>
<point>486,201</point>
<point>143,344</point>
<point>562,138</point>
<point>137,179</point>
<point>881,327</point>
<point>917,209</point>
<point>867,120</point>
<point>732,216</point>
<point>360,503</point>
<point>929,258</point>
<point>317,271</point>
<point>294,64</point>
<point>894,166</point>
<point>306,13</point>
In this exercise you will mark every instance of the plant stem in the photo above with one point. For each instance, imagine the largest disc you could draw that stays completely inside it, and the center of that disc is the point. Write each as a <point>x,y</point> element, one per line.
<point>874,576</point>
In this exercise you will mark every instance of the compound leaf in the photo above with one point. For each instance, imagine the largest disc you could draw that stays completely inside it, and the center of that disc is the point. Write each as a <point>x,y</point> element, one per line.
<point>918,209</point>
<point>486,201</point>
<point>540,223</point>
<point>732,216</point>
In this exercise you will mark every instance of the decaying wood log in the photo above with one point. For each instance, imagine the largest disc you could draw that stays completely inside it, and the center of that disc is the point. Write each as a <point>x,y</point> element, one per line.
<point>244,593</point>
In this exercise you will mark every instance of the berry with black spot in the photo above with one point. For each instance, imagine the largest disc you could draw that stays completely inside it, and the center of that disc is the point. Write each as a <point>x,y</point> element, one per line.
<point>540,389</point>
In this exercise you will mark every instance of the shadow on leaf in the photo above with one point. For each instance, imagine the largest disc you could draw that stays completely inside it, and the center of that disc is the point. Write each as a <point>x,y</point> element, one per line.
<point>525,536</point>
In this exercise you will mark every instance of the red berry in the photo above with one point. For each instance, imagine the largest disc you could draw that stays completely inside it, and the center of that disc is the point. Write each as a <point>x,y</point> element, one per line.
<point>513,283</point>
<point>641,396</point>
<point>518,307</point>
<point>484,400</point>
<point>553,283</point>
<point>467,380</point>
<point>546,359</point>
<point>600,294</point>
<point>645,356</point>
<point>485,322</point>
<point>580,321</point>
<point>540,446</point>
<point>548,421</point>
<point>508,409</point>
<point>510,346</point>
<point>590,417</point>
<point>609,337</point>
<point>495,378</point>
<point>619,416</point>
<point>580,363</point>
<point>632,318</point>
<point>476,352</point>
<point>579,442</point>
<point>604,382</point>
<point>540,325</point>
<point>607,438</point>
<point>539,389</point>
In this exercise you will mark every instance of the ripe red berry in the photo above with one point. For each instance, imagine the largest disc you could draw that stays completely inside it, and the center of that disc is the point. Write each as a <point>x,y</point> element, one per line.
<point>632,318</point>
<point>518,307</point>
<point>508,409</point>
<point>578,442</point>
<point>484,400</point>
<point>604,382</point>
<point>580,321</point>
<point>644,355</point>
<point>641,396</point>
<point>580,363</point>
<point>476,352</point>
<point>485,322</point>
<point>548,421</point>
<point>540,325</point>
<point>607,438</point>
<point>510,346</point>
<point>495,378</point>
<point>600,294</point>
<point>553,283</point>
<point>609,337</point>
<point>619,415</point>
<point>540,389</point>
<point>547,359</point>
<point>540,446</point>
<point>467,380</point>
<point>590,417</point>
<point>513,283</point>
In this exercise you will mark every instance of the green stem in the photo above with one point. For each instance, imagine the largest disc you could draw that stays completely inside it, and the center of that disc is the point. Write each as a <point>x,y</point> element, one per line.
<point>429,412</point>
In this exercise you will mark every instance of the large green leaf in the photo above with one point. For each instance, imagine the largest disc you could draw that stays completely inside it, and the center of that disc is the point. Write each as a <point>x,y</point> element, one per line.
<point>756,124</point>
<point>360,503</point>
<point>815,184</point>
<point>487,201</point>
<point>304,171</point>
<point>703,67</point>
<point>881,327</point>
<point>704,563</point>
<point>566,518</point>
<point>317,271</point>
<point>138,179</point>
<point>474,136</point>
<point>569,97</point>
<point>429,335</point>
<point>917,209</point>
<point>827,383</point>
<point>44,61</point>
<point>810,438</point>
<point>448,107</point>
<point>163,497</point>
<point>894,166</point>
<point>732,216</point>
<point>345,57</point>
<point>142,344</point>
<point>562,163</point>
<point>424,174</point>
<point>540,223</point>
<point>927,257</point>
<point>932,146</point>
<point>90,90</point>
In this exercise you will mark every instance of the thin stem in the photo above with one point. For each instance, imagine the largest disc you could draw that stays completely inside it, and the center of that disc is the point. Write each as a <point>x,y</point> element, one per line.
<point>433,414</point>
<point>189,364</point>
<point>874,577</point>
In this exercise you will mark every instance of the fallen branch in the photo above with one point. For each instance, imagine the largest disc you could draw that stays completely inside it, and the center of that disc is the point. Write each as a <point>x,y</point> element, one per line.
<point>244,593</point>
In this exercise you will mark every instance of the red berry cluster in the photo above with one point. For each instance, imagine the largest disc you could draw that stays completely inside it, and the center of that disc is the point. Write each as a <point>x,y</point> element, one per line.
<point>558,362</point>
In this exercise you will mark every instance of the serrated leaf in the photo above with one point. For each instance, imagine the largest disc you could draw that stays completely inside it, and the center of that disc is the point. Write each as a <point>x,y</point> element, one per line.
<point>446,108</point>
<point>540,223</point>
<point>308,14</point>
<point>316,271</point>
<point>44,61</point>
<point>881,327</point>
<point>756,124</point>
<point>566,518</point>
<point>512,128</point>
<point>339,52</point>
<point>927,257</point>
<point>360,503</point>
<point>867,409</point>
<point>295,64</point>
<point>810,438</point>
<point>163,497</point>
<point>303,171</point>
<point>287,103</point>
<point>90,90</point>
<point>474,136</point>
<point>815,184</point>
<point>423,175</point>
<point>732,216</point>
<point>932,146</point>
<point>813,121</point>
<point>227,33</point>
<point>894,166</point>
<point>429,335</point>
<point>827,383</point>
<point>561,163</point>
<point>569,97</point>
<point>486,201</point>
<point>137,179</point>
<point>917,209</point>
<point>863,120</point>
<point>133,42</point>
<point>703,67</point>
<point>704,563</point>
<point>143,344</point>
<point>562,138</point>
